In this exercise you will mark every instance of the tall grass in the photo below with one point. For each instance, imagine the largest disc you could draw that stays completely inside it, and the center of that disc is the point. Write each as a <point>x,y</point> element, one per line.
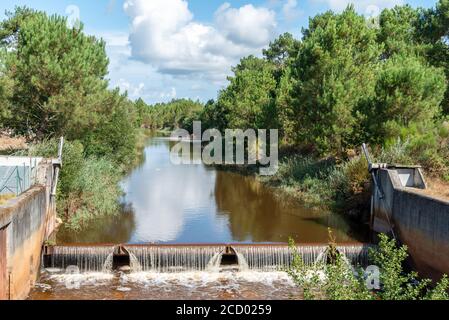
<point>324,183</point>
<point>88,187</point>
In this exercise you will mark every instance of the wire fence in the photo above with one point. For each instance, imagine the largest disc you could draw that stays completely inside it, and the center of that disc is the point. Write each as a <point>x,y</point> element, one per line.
<point>16,179</point>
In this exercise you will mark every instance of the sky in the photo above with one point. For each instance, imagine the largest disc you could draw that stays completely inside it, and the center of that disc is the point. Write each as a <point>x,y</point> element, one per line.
<point>165,49</point>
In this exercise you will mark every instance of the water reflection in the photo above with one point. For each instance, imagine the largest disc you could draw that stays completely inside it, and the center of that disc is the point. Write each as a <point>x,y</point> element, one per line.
<point>197,204</point>
<point>257,215</point>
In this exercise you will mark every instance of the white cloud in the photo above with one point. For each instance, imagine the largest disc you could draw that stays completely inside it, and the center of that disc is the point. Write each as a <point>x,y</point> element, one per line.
<point>290,10</point>
<point>248,25</point>
<point>164,35</point>
<point>134,91</point>
<point>168,95</point>
<point>362,6</point>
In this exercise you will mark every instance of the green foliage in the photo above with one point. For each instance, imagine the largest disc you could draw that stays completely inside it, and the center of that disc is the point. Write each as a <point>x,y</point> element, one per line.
<point>434,32</point>
<point>249,98</point>
<point>173,115</point>
<point>335,71</point>
<point>407,92</point>
<point>88,187</point>
<point>399,31</point>
<point>215,116</point>
<point>335,279</point>
<point>114,134</point>
<point>288,112</point>
<point>6,91</point>
<point>60,88</point>
<point>440,292</point>
<point>398,284</point>
<point>141,109</point>
<point>93,197</point>
<point>282,49</point>
<point>52,83</point>
<point>324,183</point>
<point>54,68</point>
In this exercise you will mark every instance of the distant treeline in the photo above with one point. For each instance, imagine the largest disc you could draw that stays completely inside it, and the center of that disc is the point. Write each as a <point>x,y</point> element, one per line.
<point>348,80</point>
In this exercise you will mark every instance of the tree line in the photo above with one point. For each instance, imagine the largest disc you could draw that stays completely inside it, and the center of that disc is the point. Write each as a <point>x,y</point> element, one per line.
<point>53,82</point>
<point>348,80</point>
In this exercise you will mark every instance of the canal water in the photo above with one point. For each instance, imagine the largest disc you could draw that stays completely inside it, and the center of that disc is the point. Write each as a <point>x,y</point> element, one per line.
<point>168,203</point>
<point>165,203</point>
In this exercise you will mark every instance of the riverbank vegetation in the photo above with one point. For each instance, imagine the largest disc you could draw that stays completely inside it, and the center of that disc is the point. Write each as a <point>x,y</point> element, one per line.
<point>336,280</point>
<point>53,82</point>
<point>348,80</point>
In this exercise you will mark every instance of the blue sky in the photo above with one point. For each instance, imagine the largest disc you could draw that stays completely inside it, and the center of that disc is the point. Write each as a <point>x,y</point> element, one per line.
<point>164,49</point>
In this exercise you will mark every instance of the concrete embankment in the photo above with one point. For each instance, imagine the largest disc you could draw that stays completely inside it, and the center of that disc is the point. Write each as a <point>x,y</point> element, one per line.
<point>25,223</point>
<point>418,220</point>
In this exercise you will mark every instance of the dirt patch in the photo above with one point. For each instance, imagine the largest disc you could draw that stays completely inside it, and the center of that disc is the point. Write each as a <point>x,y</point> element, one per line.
<point>437,188</point>
<point>10,143</point>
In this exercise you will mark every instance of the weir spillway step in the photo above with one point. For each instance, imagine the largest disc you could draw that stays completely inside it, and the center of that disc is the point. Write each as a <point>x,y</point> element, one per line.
<point>175,258</point>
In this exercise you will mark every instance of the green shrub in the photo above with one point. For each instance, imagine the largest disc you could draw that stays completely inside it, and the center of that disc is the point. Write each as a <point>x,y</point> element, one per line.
<point>396,284</point>
<point>324,183</point>
<point>95,192</point>
<point>336,280</point>
<point>87,188</point>
<point>72,157</point>
<point>306,176</point>
<point>350,182</point>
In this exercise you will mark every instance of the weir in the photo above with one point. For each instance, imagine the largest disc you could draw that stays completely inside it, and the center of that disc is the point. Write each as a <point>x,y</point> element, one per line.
<point>86,259</point>
<point>174,259</point>
<point>187,258</point>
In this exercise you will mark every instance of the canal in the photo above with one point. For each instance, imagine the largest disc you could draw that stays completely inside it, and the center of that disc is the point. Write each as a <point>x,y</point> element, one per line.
<point>168,203</point>
<point>164,203</point>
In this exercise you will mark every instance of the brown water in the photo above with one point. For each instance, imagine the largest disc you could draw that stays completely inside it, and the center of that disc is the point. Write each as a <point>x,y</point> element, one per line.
<point>166,286</point>
<point>167,203</point>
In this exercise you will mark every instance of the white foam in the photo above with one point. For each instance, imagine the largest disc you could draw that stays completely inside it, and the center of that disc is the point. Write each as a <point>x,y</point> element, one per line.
<point>199,279</point>
<point>82,279</point>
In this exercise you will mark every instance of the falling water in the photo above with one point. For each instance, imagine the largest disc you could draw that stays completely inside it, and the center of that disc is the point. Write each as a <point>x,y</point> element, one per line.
<point>87,259</point>
<point>198,258</point>
<point>108,264</point>
<point>134,263</point>
<point>214,263</point>
<point>356,254</point>
<point>241,260</point>
<point>177,258</point>
<point>271,258</point>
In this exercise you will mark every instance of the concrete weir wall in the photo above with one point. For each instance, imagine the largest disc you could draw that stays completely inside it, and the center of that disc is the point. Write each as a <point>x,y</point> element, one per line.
<point>419,221</point>
<point>25,222</point>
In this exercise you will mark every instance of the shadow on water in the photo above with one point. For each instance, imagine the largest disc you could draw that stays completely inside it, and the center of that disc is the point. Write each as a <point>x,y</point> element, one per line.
<point>256,214</point>
<point>168,203</point>
<point>112,229</point>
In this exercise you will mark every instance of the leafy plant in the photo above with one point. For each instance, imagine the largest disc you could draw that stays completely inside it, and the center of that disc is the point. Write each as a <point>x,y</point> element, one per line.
<point>336,280</point>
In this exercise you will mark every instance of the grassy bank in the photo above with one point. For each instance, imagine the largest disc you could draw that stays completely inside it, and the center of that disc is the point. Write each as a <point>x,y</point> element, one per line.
<point>344,186</point>
<point>325,183</point>
<point>89,186</point>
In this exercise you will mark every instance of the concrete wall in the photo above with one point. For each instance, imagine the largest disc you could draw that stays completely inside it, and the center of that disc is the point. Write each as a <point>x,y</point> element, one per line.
<point>27,220</point>
<point>419,221</point>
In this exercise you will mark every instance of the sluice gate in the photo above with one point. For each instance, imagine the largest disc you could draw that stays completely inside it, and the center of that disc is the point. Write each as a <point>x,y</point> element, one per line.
<point>195,257</point>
